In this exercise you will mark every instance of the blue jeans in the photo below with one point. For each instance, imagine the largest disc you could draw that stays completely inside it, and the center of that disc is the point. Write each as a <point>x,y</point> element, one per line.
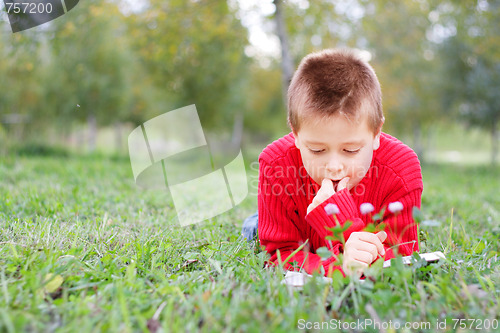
<point>249,230</point>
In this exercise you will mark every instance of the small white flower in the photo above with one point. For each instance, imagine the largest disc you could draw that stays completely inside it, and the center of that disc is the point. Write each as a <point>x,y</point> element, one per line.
<point>395,207</point>
<point>332,209</point>
<point>366,208</point>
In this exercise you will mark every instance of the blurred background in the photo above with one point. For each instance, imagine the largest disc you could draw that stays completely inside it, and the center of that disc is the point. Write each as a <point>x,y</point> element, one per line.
<point>82,82</point>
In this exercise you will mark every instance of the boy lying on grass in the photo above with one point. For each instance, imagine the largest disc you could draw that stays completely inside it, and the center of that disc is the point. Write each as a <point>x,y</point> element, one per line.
<point>338,158</point>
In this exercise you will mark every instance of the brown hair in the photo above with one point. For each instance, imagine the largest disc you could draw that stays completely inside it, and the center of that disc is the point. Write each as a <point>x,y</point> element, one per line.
<point>334,81</point>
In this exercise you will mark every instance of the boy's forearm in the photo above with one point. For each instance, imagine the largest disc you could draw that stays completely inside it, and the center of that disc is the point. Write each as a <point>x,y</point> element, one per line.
<point>320,220</point>
<point>309,262</point>
<point>305,260</point>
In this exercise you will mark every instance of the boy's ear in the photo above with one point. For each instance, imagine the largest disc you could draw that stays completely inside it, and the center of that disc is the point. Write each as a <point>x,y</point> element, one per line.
<point>376,140</point>
<point>296,138</point>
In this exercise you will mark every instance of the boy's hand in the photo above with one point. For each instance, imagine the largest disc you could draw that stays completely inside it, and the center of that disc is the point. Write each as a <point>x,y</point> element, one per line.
<point>327,191</point>
<point>361,249</point>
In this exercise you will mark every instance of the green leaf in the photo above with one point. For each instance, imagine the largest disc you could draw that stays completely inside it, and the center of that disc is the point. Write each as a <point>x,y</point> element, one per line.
<point>191,255</point>
<point>338,232</point>
<point>379,216</point>
<point>370,228</point>
<point>52,282</point>
<point>479,247</point>
<point>216,265</point>
<point>417,214</point>
<point>324,253</point>
<point>337,280</point>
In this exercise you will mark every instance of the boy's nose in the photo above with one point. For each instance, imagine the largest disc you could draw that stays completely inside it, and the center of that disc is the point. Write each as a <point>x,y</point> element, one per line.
<point>335,168</point>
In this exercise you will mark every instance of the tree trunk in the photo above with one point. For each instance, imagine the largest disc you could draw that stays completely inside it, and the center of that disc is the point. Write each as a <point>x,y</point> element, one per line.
<point>495,139</point>
<point>92,132</point>
<point>287,66</point>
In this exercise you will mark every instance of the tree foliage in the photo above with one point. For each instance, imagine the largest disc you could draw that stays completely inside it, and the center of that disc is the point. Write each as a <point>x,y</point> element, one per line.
<point>92,57</point>
<point>195,59</point>
<point>436,60</point>
<point>472,64</point>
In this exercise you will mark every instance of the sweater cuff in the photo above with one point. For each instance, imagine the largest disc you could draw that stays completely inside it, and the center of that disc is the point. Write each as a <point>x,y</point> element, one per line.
<point>320,220</point>
<point>347,207</point>
<point>313,264</point>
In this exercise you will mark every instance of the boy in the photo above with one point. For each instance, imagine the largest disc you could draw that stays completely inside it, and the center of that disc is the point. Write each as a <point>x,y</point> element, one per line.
<point>336,159</point>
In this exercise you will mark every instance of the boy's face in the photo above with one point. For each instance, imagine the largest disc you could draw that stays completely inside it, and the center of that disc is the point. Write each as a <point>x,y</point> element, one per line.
<point>335,148</point>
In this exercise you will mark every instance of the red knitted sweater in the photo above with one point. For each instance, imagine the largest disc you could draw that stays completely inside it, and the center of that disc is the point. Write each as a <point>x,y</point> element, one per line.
<point>286,190</point>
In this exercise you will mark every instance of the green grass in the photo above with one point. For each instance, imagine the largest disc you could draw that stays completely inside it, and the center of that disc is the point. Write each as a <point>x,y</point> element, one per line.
<point>83,249</point>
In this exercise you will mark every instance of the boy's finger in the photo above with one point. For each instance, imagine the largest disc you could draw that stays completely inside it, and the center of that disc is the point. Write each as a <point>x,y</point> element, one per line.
<point>318,200</point>
<point>364,257</point>
<point>327,187</point>
<point>368,248</point>
<point>374,239</point>
<point>382,235</point>
<point>343,183</point>
<point>324,192</point>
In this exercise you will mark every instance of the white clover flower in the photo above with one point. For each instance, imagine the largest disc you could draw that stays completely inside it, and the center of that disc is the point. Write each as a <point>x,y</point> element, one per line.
<point>395,207</point>
<point>366,208</point>
<point>332,209</point>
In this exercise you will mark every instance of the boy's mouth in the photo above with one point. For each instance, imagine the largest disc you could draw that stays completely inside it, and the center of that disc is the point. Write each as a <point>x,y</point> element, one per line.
<point>335,183</point>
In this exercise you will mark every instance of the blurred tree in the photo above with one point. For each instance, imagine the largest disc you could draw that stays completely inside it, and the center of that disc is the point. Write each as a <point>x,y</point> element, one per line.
<point>313,26</point>
<point>482,107</point>
<point>194,51</point>
<point>98,65</point>
<point>265,100</point>
<point>302,27</point>
<point>94,66</point>
<point>397,35</point>
<point>131,67</point>
<point>20,69</point>
<point>287,66</point>
<point>471,58</point>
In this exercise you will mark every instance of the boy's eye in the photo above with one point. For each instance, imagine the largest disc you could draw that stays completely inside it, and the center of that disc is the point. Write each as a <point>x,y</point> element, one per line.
<point>353,151</point>
<point>316,151</point>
